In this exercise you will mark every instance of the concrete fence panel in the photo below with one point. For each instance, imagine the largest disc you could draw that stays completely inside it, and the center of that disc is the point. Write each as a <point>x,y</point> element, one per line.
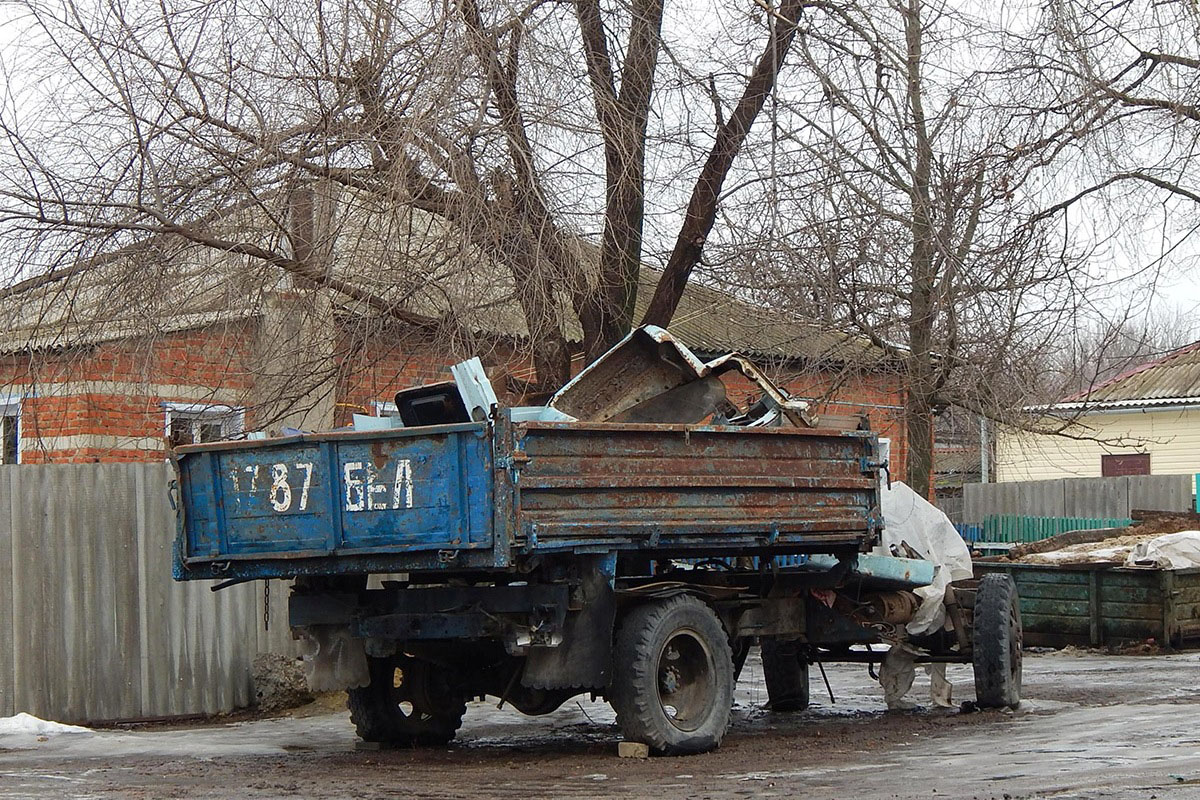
<point>1077,497</point>
<point>1027,498</point>
<point>92,627</point>
<point>1042,499</point>
<point>8,686</point>
<point>1160,492</point>
<point>1096,497</point>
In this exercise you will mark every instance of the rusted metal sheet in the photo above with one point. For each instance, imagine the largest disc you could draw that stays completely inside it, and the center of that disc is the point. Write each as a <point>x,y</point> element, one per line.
<point>645,377</point>
<point>1100,605</point>
<point>676,488</point>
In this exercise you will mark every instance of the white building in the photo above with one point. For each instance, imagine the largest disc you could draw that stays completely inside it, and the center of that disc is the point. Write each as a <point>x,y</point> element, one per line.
<point>1145,421</point>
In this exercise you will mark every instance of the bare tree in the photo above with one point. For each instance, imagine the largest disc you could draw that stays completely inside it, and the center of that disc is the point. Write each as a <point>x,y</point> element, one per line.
<point>1106,348</point>
<point>909,186</point>
<point>424,130</point>
<point>1126,76</point>
<point>1115,87</point>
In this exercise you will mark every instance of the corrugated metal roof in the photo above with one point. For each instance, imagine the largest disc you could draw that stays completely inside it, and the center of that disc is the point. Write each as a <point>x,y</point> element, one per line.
<point>1170,380</point>
<point>1118,405</point>
<point>956,461</point>
<point>955,466</point>
<point>163,285</point>
<point>714,322</point>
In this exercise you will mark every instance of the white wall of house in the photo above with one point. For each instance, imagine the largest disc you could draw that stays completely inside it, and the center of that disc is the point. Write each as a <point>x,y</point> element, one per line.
<point>1170,435</point>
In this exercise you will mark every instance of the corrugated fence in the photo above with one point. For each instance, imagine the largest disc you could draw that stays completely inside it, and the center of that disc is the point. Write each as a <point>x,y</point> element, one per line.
<point>92,627</point>
<point>1109,498</point>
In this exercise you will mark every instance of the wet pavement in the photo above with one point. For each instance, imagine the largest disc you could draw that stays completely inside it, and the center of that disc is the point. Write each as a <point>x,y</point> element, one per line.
<point>1091,726</point>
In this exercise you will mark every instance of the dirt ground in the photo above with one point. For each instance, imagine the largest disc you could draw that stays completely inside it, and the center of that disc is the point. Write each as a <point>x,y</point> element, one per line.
<point>1091,726</point>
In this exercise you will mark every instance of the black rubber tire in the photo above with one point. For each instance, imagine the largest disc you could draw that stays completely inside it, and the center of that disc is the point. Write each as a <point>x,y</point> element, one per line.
<point>996,643</point>
<point>408,702</point>
<point>786,676</point>
<point>678,645</point>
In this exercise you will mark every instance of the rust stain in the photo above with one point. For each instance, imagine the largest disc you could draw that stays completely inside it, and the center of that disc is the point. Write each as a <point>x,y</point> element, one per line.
<point>378,456</point>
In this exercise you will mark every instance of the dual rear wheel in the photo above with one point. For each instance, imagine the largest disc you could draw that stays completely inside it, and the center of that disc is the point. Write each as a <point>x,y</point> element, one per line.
<point>673,688</point>
<point>407,702</point>
<point>673,676</point>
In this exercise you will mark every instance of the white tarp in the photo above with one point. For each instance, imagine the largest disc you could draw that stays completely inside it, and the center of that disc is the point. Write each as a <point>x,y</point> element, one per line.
<point>1146,550</point>
<point>1170,551</point>
<point>896,675</point>
<point>910,519</point>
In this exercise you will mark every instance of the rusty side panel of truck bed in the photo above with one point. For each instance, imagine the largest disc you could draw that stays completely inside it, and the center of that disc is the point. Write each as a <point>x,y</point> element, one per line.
<point>678,488</point>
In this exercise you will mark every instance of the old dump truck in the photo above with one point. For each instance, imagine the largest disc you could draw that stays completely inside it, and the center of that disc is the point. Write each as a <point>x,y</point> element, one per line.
<point>631,540</point>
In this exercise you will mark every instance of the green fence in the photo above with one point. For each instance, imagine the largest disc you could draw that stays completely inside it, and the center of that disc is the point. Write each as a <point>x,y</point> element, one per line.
<point>1017,530</point>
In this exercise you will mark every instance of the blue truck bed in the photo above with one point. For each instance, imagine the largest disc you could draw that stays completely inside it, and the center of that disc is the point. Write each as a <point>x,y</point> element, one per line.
<point>479,496</point>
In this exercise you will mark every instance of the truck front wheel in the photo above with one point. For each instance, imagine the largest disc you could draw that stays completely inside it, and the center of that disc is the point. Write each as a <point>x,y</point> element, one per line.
<point>408,702</point>
<point>673,676</point>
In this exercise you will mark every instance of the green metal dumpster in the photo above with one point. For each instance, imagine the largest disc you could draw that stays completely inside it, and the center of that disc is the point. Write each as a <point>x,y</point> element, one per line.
<point>1104,604</point>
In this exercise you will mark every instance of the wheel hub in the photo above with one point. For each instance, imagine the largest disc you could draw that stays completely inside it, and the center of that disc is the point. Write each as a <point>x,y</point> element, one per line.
<point>668,682</point>
<point>686,680</point>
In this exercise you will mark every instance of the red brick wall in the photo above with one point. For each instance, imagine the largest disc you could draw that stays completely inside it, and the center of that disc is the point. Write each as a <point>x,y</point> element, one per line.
<point>879,395</point>
<point>373,371</point>
<point>70,392</point>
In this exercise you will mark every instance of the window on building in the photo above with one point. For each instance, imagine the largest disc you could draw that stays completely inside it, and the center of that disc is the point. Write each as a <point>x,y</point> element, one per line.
<point>197,424</point>
<point>10,431</point>
<point>1112,466</point>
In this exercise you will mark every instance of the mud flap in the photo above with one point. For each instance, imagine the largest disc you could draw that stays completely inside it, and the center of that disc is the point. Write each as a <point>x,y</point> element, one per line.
<point>333,658</point>
<point>584,658</point>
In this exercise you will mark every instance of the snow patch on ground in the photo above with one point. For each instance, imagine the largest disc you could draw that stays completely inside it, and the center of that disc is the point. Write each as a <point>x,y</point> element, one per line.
<point>28,725</point>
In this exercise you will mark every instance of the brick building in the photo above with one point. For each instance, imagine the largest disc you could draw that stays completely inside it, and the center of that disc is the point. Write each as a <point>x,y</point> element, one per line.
<point>114,395</point>
<point>166,345</point>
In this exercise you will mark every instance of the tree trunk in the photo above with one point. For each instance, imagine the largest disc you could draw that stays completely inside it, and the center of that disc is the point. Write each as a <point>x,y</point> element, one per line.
<point>622,117</point>
<point>702,207</point>
<point>922,309</point>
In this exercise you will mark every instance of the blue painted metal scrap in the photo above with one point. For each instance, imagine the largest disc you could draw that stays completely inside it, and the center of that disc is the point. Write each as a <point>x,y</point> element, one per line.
<point>906,573</point>
<point>483,496</point>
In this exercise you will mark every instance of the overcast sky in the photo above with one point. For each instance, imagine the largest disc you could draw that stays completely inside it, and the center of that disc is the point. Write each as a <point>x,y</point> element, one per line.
<point>1150,262</point>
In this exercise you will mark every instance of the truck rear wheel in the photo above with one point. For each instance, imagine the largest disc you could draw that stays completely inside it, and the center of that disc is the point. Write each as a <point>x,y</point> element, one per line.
<point>786,676</point>
<point>996,643</point>
<point>408,702</point>
<point>673,676</point>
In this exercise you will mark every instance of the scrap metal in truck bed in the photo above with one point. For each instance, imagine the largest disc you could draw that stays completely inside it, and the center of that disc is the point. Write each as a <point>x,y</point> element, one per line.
<point>624,541</point>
